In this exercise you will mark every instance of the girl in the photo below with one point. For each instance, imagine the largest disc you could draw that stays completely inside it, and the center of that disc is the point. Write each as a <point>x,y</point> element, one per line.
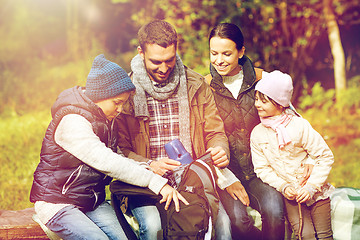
<point>280,146</point>
<point>79,157</point>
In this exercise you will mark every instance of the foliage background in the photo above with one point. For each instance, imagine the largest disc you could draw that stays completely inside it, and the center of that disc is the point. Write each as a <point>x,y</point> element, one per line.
<point>47,46</point>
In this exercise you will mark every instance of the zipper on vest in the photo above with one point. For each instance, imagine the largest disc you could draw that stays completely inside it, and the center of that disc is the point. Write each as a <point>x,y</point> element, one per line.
<point>68,183</point>
<point>96,198</point>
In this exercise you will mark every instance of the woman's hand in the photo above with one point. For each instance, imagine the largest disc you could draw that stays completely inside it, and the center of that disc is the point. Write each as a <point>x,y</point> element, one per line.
<point>169,194</point>
<point>219,157</point>
<point>237,191</point>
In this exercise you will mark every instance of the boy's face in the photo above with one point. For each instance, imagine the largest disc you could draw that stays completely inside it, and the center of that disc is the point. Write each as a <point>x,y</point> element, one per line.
<point>159,61</point>
<point>112,106</point>
<point>265,107</point>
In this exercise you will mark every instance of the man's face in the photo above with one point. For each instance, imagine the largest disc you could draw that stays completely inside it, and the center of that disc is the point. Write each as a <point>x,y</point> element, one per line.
<point>159,61</point>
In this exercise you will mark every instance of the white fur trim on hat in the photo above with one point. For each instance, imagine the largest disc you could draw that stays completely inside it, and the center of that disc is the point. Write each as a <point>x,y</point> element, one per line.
<point>277,86</point>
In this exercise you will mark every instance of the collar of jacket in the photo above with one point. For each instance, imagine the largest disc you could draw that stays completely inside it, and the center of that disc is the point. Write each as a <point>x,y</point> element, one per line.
<point>194,81</point>
<point>248,82</point>
<point>76,97</point>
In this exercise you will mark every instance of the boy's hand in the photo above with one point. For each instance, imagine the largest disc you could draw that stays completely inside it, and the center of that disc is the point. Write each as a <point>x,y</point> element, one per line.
<point>290,193</point>
<point>237,191</point>
<point>163,165</point>
<point>169,194</point>
<point>219,157</point>
<point>302,196</point>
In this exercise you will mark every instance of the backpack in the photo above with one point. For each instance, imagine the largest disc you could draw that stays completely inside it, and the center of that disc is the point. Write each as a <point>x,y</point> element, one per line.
<point>196,220</point>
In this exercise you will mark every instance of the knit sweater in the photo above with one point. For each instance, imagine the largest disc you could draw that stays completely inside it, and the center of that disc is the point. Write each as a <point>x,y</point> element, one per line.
<point>75,134</point>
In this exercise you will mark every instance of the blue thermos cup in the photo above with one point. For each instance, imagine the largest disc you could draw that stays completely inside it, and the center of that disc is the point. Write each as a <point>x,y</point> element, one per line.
<point>175,150</point>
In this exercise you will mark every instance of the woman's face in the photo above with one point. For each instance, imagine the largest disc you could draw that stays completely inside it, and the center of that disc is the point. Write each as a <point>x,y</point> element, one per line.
<point>224,56</point>
<point>112,106</point>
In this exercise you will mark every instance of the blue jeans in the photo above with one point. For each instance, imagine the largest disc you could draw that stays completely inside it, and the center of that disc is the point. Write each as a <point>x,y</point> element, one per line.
<point>148,217</point>
<point>222,226</point>
<point>267,201</point>
<point>72,223</point>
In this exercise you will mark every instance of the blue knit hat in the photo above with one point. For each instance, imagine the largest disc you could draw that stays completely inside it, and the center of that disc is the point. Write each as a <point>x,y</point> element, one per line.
<point>106,80</point>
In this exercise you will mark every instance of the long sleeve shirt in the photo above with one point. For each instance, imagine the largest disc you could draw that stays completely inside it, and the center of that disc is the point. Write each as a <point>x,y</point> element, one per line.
<point>75,134</point>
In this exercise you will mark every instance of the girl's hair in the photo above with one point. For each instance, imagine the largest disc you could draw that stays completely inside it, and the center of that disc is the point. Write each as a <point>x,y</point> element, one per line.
<point>229,31</point>
<point>264,99</point>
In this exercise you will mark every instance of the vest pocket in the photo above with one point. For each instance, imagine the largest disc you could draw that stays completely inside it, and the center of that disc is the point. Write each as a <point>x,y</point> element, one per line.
<point>71,179</point>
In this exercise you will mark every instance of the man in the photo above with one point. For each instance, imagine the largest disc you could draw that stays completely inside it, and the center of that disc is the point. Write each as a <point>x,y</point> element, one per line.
<point>171,101</point>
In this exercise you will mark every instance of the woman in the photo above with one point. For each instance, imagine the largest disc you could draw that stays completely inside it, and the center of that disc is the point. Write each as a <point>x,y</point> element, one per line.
<point>233,80</point>
<point>78,159</point>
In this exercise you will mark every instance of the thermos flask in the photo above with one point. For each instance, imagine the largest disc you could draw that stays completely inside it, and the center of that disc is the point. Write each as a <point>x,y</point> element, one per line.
<point>175,150</point>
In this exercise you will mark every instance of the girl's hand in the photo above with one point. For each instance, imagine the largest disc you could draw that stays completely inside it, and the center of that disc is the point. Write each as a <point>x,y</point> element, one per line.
<point>237,191</point>
<point>171,194</point>
<point>219,157</point>
<point>290,193</point>
<point>302,196</point>
<point>307,172</point>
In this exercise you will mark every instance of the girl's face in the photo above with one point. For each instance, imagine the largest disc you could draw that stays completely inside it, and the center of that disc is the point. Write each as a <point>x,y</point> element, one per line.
<point>224,56</point>
<point>265,107</point>
<point>112,106</point>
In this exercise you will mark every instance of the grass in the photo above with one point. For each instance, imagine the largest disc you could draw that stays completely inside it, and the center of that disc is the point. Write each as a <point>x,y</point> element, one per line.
<point>20,143</point>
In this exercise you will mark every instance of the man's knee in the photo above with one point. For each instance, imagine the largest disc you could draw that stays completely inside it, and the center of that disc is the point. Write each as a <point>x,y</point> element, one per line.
<point>149,228</point>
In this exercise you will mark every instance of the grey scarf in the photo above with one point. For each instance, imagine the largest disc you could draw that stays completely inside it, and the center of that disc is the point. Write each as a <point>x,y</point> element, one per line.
<point>177,84</point>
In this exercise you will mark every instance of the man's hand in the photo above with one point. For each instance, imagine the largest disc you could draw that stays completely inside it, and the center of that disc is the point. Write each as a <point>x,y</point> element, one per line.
<point>302,196</point>
<point>237,191</point>
<point>219,157</point>
<point>290,193</point>
<point>307,172</point>
<point>169,194</point>
<point>163,165</point>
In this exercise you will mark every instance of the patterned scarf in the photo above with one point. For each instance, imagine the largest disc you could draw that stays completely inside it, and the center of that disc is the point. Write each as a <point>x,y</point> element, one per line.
<point>278,124</point>
<point>176,84</point>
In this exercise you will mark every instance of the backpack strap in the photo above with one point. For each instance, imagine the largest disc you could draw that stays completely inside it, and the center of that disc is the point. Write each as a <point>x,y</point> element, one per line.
<point>208,78</point>
<point>258,73</point>
<point>205,173</point>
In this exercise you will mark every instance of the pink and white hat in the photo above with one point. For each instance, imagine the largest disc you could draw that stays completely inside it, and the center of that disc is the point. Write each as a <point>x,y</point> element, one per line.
<point>278,86</point>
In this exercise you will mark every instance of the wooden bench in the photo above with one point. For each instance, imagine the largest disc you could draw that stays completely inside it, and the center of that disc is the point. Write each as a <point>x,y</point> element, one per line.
<point>20,225</point>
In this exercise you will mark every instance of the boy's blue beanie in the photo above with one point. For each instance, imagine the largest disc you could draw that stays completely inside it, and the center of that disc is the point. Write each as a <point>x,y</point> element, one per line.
<point>106,80</point>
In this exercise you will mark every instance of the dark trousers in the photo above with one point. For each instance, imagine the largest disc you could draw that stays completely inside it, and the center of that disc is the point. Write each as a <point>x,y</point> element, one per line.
<point>267,201</point>
<point>316,219</point>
